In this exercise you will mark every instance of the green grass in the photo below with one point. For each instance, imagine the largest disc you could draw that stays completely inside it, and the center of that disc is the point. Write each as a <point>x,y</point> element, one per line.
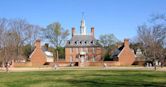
<point>83,78</point>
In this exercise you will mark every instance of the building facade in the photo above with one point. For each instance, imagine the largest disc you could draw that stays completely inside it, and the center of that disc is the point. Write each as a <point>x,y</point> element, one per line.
<point>124,55</point>
<point>83,47</point>
<point>40,55</point>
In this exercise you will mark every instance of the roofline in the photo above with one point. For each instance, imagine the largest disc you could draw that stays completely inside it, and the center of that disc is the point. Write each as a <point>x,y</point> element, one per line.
<point>34,52</point>
<point>121,52</point>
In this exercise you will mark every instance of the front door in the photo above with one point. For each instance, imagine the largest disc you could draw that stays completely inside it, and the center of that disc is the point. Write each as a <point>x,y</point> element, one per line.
<point>82,58</point>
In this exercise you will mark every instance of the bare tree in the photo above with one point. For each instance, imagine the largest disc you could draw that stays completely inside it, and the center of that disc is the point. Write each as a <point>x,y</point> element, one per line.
<point>14,34</point>
<point>3,25</point>
<point>10,48</point>
<point>27,33</point>
<point>153,39</point>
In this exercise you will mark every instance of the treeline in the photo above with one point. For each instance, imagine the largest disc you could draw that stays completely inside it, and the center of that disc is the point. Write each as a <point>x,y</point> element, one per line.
<point>16,39</point>
<point>151,39</point>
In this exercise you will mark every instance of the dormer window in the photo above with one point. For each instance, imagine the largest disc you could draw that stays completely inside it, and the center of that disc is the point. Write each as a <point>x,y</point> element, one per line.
<point>92,42</point>
<point>85,42</point>
<point>75,42</point>
<point>69,42</point>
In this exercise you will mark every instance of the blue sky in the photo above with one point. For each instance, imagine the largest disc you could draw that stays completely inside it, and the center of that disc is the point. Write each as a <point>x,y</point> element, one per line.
<point>120,17</point>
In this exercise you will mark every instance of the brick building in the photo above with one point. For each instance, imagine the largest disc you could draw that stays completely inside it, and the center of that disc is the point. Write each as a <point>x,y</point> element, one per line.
<point>83,47</point>
<point>124,55</point>
<point>40,55</point>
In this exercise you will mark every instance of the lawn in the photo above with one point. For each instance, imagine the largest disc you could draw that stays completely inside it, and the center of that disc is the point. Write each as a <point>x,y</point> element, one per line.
<point>83,78</point>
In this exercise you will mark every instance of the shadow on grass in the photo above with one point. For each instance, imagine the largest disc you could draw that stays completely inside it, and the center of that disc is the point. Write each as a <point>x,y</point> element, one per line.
<point>84,79</point>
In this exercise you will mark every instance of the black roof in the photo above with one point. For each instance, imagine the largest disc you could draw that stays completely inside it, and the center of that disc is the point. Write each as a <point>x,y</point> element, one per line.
<point>116,52</point>
<point>82,41</point>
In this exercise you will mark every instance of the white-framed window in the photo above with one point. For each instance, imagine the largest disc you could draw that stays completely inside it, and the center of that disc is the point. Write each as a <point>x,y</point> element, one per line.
<point>76,42</point>
<point>85,42</point>
<point>92,42</point>
<point>80,42</point>
<point>69,42</point>
<point>71,50</point>
<point>93,50</point>
<point>71,59</point>
<point>77,50</point>
<point>87,58</point>
<point>81,49</point>
<point>86,50</point>
<point>93,59</point>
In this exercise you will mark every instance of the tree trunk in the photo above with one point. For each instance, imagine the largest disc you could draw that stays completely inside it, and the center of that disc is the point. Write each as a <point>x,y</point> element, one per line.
<point>7,66</point>
<point>57,55</point>
<point>155,67</point>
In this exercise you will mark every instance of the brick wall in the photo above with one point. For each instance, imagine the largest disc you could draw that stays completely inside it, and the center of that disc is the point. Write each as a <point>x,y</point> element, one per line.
<point>100,63</point>
<point>75,52</point>
<point>126,56</point>
<point>26,64</point>
<point>38,57</point>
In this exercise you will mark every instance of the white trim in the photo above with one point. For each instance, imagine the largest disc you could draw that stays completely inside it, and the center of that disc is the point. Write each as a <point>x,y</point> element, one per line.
<point>32,53</point>
<point>121,52</point>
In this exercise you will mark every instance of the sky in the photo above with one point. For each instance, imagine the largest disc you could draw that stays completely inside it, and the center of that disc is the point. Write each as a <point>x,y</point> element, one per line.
<point>120,17</point>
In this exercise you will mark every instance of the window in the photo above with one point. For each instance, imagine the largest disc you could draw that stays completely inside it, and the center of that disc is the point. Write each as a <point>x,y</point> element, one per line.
<point>75,42</point>
<point>93,49</point>
<point>93,59</point>
<point>86,50</point>
<point>76,50</point>
<point>71,59</point>
<point>85,42</point>
<point>80,42</point>
<point>81,49</point>
<point>69,42</point>
<point>71,50</point>
<point>92,42</point>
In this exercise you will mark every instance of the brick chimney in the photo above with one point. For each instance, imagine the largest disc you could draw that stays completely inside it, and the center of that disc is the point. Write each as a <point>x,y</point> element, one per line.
<point>92,31</point>
<point>37,44</point>
<point>46,46</point>
<point>126,42</point>
<point>73,31</point>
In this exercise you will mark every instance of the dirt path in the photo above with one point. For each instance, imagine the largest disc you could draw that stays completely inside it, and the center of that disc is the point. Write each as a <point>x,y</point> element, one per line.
<point>80,68</point>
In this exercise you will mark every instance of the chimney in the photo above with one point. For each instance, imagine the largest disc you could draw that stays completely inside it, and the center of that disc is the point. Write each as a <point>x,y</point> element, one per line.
<point>126,42</point>
<point>37,44</point>
<point>73,31</point>
<point>46,46</point>
<point>92,31</point>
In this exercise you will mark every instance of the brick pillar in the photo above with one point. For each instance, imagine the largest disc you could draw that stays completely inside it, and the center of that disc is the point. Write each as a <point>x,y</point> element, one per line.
<point>73,31</point>
<point>126,42</point>
<point>38,44</point>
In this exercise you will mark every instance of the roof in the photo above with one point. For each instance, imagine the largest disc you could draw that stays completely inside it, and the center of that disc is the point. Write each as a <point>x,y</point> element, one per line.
<point>117,52</point>
<point>44,50</point>
<point>47,53</point>
<point>82,41</point>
